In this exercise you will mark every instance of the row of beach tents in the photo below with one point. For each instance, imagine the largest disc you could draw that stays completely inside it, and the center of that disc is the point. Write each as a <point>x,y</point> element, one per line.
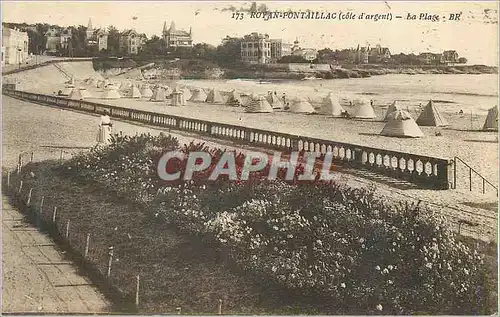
<point>399,121</point>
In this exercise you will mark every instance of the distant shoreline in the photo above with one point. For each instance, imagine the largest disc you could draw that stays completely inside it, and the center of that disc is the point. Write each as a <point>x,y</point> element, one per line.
<point>201,69</point>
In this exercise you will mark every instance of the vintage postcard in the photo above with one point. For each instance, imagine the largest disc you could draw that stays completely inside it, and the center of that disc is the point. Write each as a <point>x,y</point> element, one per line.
<point>250,158</point>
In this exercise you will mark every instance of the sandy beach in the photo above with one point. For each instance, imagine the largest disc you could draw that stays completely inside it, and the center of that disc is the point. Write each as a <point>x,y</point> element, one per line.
<point>463,137</point>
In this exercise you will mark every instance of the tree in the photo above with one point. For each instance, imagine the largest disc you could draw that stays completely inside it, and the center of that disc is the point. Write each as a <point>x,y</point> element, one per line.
<point>292,59</point>
<point>462,60</point>
<point>113,40</point>
<point>229,51</point>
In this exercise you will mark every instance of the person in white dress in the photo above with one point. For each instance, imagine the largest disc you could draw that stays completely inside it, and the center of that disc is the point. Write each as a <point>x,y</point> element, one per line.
<point>105,126</point>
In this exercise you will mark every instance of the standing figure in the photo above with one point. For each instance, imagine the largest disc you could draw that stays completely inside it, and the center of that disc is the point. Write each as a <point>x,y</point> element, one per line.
<point>104,129</point>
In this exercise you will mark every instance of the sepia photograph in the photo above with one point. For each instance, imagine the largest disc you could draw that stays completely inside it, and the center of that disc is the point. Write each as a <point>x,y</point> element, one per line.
<point>250,158</point>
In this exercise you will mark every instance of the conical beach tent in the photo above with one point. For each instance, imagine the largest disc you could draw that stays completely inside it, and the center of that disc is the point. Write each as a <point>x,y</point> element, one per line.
<point>234,99</point>
<point>111,94</point>
<point>198,96</point>
<point>259,104</point>
<point>331,106</point>
<point>248,99</point>
<point>491,122</point>
<point>85,93</point>
<point>302,106</point>
<point>178,98</point>
<point>146,92</point>
<point>431,116</point>
<point>214,96</point>
<point>186,93</point>
<point>134,92</point>
<point>363,109</point>
<point>66,91</point>
<point>158,94</point>
<point>401,124</point>
<point>76,94</point>
<point>393,107</point>
<point>274,101</point>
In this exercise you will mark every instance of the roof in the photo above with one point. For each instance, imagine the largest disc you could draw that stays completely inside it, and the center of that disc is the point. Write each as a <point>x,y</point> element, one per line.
<point>129,32</point>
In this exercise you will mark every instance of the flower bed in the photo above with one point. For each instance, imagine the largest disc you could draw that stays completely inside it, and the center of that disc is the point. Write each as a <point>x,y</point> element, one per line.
<point>340,244</point>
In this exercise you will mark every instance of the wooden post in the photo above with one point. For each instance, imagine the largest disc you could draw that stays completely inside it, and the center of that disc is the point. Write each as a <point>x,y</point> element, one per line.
<point>110,261</point>
<point>32,158</point>
<point>137,290</point>
<point>20,187</point>
<point>8,179</point>
<point>470,179</point>
<point>219,311</point>
<point>87,245</point>
<point>67,230</point>
<point>54,214</point>
<point>20,159</point>
<point>61,155</point>
<point>41,205</point>
<point>28,202</point>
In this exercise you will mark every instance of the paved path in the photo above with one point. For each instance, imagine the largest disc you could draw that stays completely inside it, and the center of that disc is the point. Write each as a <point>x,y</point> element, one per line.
<point>36,276</point>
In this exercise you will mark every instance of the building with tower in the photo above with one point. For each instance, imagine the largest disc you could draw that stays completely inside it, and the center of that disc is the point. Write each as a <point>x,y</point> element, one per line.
<point>97,37</point>
<point>309,54</point>
<point>176,38</point>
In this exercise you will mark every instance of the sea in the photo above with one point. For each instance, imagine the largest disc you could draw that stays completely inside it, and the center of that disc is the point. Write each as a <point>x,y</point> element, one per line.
<point>452,93</point>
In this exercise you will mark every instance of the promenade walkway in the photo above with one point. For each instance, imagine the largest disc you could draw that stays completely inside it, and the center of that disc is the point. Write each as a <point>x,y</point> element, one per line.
<point>36,276</point>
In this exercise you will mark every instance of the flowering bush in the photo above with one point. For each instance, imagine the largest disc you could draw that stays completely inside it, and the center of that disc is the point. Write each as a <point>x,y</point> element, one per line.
<point>341,244</point>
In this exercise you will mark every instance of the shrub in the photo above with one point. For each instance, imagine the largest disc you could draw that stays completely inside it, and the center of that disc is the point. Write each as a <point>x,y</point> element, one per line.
<point>340,244</point>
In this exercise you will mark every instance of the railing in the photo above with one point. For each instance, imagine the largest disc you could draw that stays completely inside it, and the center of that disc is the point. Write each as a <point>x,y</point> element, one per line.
<point>471,170</point>
<point>68,76</point>
<point>22,69</point>
<point>424,171</point>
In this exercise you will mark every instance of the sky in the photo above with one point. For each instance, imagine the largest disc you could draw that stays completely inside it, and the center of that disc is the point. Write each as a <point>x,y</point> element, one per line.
<point>474,36</point>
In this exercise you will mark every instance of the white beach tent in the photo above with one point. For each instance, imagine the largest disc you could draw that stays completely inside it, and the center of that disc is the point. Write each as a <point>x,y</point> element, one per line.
<point>85,93</point>
<point>392,107</point>
<point>234,99</point>
<point>401,124</point>
<point>302,106</point>
<point>178,98</point>
<point>134,92</point>
<point>431,117</point>
<point>111,93</point>
<point>248,99</point>
<point>158,94</point>
<point>214,96</point>
<point>491,122</point>
<point>76,94</point>
<point>331,106</point>
<point>259,105</point>
<point>186,93</point>
<point>198,95</point>
<point>274,101</point>
<point>66,91</point>
<point>363,109</point>
<point>146,92</point>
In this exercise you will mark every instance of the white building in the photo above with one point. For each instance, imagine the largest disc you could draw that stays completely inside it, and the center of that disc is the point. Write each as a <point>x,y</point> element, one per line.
<point>257,48</point>
<point>14,46</point>
<point>176,38</point>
